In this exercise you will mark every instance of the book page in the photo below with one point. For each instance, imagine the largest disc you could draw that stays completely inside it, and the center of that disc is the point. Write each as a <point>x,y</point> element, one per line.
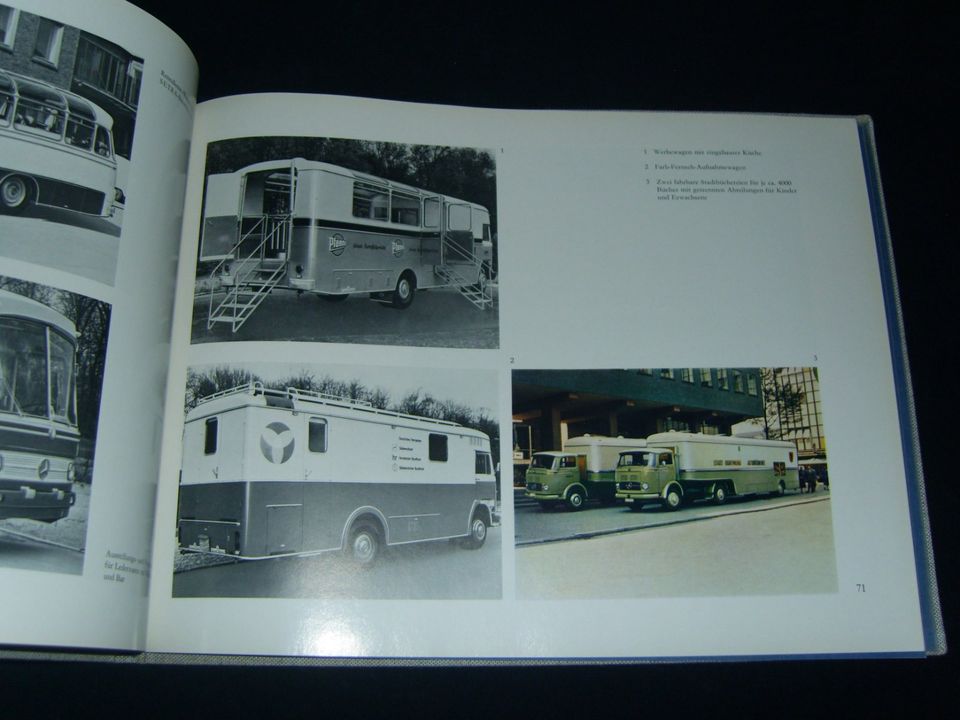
<point>96,107</point>
<point>652,323</point>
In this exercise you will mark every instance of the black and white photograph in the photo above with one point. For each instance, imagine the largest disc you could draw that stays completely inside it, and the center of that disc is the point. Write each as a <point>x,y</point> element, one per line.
<point>348,241</point>
<point>686,481</point>
<point>338,482</point>
<point>68,108</point>
<point>53,346</point>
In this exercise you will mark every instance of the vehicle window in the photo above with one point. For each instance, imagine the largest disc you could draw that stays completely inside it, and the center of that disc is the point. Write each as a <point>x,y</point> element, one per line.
<point>484,465</point>
<point>317,435</point>
<point>542,461</point>
<point>405,209</point>
<point>568,461</point>
<point>210,436</point>
<point>438,447</point>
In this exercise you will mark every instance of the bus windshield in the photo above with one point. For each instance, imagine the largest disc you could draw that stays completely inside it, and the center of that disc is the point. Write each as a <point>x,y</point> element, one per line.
<point>636,458</point>
<point>543,461</point>
<point>36,371</point>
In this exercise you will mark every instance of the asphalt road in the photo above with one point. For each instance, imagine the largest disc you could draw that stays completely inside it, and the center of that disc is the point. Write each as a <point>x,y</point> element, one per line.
<point>25,554</point>
<point>775,549</point>
<point>535,525</point>
<point>434,570</point>
<point>437,318</point>
<point>62,240</point>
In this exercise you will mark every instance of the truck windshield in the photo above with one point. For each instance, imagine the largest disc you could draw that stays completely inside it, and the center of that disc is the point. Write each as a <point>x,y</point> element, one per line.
<point>543,461</point>
<point>636,459</point>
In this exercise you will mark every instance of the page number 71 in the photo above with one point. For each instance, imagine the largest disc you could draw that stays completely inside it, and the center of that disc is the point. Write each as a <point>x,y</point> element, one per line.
<point>861,587</point>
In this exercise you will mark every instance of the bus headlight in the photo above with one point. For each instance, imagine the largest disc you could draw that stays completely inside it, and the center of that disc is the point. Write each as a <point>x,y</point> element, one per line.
<point>1,461</point>
<point>645,486</point>
<point>118,196</point>
<point>299,270</point>
<point>544,487</point>
<point>72,472</point>
<point>43,469</point>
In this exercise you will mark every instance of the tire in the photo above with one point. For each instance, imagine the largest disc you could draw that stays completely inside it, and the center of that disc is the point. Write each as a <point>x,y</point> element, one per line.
<point>719,495</point>
<point>576,499</point>
<point>15,193</point>
<point>364,544</point>
<point>478,533</point>
<point>673,499</point>
<point>403,294</point>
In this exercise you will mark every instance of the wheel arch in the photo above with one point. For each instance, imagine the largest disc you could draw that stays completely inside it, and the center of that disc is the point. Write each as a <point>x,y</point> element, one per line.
<point>366,513</point>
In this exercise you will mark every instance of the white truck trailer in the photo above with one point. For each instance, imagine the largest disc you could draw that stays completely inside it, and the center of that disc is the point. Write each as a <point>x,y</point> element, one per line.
<point>675,467</point>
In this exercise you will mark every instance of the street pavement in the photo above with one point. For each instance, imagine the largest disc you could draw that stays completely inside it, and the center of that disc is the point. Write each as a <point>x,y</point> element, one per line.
<point>430,570</point>
<point>536,525</point>
<point>62,240</point>
<point>764,550</point>
<point>436,318</point>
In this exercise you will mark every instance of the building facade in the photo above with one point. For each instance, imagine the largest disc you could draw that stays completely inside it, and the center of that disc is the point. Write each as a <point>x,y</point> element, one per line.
<point>550,406</point>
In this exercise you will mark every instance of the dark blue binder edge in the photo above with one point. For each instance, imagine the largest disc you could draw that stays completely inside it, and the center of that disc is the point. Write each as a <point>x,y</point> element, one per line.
<point>935,640</point>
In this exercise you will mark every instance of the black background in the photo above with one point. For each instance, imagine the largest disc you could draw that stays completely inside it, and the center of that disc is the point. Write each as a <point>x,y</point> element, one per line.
<point>898,66</point>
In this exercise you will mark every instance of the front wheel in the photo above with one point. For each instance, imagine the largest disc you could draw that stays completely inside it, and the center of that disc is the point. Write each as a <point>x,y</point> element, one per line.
<point>14,193</point>
<point>576,499</point>
<point>478,533</point>
<point>673,499</point>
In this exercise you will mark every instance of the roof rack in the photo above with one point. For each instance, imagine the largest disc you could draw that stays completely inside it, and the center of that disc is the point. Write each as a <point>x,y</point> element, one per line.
<point>312,396</point>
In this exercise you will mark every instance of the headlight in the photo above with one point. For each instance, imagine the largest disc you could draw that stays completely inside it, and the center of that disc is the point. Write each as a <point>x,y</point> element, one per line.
<point>544,487</point>
<point>645,486</point>
<point>72,472</point>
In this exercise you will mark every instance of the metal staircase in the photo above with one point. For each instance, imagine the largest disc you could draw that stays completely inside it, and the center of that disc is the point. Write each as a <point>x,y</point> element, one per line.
<point>459,268</point>
<point>254,274</point>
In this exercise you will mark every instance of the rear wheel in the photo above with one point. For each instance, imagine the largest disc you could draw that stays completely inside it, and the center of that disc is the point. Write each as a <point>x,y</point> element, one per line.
<point>15,193</point>
<point>364,545</point>
<point>403,294</point>
<point>719,495</point>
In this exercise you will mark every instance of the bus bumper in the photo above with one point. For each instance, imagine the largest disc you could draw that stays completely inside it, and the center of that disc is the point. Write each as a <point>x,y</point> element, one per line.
<point>47,503</point>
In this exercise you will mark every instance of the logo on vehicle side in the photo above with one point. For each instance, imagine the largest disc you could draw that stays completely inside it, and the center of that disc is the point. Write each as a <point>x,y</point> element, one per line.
<point>398,248</point>
<point>337,244</point>
<point>276,443</point>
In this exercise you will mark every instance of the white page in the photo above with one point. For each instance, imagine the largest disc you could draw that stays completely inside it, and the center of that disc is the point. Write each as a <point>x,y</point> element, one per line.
<point>92,593</point>
<point>586,251</point>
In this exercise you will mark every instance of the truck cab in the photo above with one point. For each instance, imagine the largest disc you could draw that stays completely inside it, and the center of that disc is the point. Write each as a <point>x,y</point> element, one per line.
<point>650,475</point>
<point>557,477</point>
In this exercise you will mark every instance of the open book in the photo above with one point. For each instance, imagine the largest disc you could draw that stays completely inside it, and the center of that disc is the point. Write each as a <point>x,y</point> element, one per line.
<point>315,376</point>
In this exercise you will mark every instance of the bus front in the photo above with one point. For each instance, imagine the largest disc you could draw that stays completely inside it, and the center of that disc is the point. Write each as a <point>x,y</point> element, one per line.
<point>38,419</point>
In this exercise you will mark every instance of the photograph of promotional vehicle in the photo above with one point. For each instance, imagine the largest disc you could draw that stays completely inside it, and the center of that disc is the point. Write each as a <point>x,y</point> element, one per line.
<point>270,473</point>
<point>584,470</point>
<point>678,467</point>
<point>319,228</point>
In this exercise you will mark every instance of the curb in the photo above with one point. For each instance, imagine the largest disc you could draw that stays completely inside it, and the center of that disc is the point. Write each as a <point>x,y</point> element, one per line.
<point>665,523</point>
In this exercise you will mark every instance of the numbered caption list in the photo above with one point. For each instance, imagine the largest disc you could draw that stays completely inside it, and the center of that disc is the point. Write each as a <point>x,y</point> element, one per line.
<point>689,174</point>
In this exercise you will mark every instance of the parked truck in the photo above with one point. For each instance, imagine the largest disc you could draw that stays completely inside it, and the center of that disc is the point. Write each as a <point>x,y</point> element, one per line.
<point>583,470</point>
<point>677,467</point>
